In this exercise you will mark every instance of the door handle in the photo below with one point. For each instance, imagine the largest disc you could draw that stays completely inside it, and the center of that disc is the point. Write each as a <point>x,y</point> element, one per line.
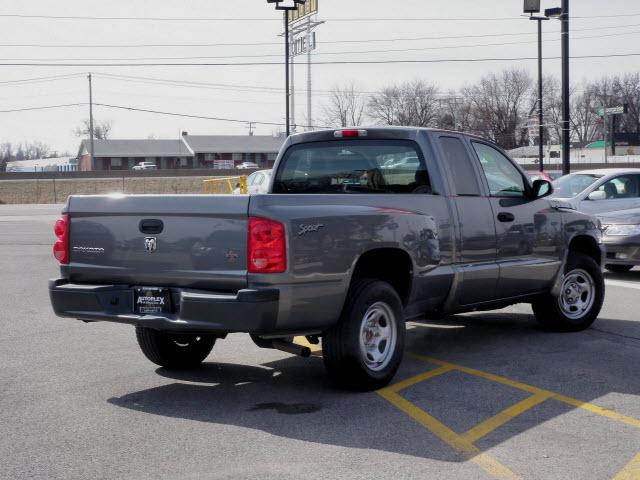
<point>506,217</point>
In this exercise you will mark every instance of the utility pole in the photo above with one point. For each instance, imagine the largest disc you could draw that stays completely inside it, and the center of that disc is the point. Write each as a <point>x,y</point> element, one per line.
<point>91,119</point>
<point>309,116</point>
<point>286,70</point>
<point>540,114</point>
<point>566,132</point>
<point>251,129</point>
<point>293,89</point>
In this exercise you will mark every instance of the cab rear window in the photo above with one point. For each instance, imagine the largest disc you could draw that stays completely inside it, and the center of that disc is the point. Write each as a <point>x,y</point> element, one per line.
<point>353,166</point>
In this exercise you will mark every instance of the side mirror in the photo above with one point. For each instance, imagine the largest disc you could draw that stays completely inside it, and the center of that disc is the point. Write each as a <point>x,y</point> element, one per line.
<point>597,195</point>
<point>541,188</point>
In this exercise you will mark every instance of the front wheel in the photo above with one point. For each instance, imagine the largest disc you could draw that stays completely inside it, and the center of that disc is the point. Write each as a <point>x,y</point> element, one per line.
<point>618,268</point>
<point>364,349</point>
<point>172,350</point>
<point>580,299</point>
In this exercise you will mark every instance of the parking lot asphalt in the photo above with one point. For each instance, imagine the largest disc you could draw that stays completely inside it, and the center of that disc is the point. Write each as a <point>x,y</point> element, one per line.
<point>482,395</point>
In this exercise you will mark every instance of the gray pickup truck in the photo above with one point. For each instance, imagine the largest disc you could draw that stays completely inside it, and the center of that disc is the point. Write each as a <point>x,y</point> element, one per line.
<point>362,230</point>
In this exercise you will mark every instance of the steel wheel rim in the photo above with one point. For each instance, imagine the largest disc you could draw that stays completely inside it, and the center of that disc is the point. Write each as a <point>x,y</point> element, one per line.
<point>378,336</point>
<point>577,295</point>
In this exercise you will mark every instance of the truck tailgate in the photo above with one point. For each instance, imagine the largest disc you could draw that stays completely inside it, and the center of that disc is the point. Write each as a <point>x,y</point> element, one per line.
<point>194,241</point>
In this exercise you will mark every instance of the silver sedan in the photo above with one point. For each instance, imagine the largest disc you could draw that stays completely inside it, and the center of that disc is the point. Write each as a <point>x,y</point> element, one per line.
<point>598,191</point>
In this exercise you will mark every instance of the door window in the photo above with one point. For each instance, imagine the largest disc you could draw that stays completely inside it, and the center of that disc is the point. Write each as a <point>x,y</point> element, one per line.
<point>624,186</point>
<point>504,179</point>
<point>460,166</point>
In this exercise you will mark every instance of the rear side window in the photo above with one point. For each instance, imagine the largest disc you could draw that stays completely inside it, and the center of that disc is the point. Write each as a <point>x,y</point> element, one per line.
<point>353,166</point>
<point>625,186</point>
<point>460,166</point>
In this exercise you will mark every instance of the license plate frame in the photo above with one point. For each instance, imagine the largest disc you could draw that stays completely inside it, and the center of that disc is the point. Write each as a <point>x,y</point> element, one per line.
<point>151,300</point>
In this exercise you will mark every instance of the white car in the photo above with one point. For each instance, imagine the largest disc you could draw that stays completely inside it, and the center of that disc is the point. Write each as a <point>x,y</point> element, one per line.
<point>145,166</point>
<point>598,191</point>
<point>248,166</point>
<point>257,182</point>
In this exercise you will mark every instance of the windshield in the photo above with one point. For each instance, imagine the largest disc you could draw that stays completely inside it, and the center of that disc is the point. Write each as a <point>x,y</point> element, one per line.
<point>353,166</point>
<point>571,185</point>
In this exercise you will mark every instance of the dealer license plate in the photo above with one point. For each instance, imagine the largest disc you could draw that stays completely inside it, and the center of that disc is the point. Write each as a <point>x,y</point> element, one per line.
<point>151,300</point>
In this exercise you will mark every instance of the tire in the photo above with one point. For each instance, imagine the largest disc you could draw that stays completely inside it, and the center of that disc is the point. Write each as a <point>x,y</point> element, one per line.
<point>618,268</point>
<point>580,298</point>
<point>178,351</point>
<point>350,364</point>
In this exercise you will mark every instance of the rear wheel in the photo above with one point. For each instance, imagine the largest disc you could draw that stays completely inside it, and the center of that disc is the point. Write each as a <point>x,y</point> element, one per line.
<point>172,350</point>
<point>618,268</point>
<point>364,349</point>
<point>580,299</point>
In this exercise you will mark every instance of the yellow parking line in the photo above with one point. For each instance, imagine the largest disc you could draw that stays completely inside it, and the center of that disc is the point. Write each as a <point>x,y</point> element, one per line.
<point>485,375</point>
<point>470,451</point>
<point>417,379</point>
<point>488,426</point>
<point>535,390</point>
<point>598,410</point>
<point>631,471</point>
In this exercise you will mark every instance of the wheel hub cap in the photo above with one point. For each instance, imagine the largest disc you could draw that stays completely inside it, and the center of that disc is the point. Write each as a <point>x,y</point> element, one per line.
<point>378,336</point>
<point>578,294</point>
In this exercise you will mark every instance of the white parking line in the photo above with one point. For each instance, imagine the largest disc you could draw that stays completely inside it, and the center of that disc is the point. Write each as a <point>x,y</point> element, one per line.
<point>621,283</point>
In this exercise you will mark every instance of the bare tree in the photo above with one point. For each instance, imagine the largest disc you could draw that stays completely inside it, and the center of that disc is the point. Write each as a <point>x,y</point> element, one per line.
<point>498,105</point>
<point>414,103</point>
<point>455,112</point>
<point>627,89</point>
<point>346,106</point>
<point>586,126</point>
<point>101,129</point>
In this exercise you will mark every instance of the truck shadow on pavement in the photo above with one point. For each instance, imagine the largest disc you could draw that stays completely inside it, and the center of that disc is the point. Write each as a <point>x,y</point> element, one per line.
<point>293,398</point>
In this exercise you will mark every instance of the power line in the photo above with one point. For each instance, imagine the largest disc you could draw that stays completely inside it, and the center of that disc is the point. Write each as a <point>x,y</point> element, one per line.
<point>273,19</point>
<point>332,62</point>
<point>46,107</point>
<point>200,117</point>
<point>51,78</point>
<point>227,19</point>
<point>356,52</point>
<point>327,42</point>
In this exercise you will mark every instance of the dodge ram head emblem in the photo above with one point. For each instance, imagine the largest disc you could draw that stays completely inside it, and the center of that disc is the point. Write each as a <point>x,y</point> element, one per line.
<point>150,244</point>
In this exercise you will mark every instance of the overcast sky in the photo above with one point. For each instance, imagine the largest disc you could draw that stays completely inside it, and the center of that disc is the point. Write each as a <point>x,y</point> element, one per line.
<point>49,40</point>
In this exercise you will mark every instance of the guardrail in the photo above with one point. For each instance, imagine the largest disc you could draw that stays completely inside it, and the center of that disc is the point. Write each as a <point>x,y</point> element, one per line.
<point>217,185</point>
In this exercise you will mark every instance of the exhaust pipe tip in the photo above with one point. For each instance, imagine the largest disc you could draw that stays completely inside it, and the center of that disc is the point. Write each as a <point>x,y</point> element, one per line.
<point>291,347</point>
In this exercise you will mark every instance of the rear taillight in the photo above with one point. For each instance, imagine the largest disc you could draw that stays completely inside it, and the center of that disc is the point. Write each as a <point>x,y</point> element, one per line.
<point>267,247</point>
<point>61,247</point>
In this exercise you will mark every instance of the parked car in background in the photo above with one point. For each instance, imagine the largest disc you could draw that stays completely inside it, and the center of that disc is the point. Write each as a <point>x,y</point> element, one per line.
<point>145,166</point>
<point>599,191</point>
<point>248,166</point>
<point>621,236</point>
<point>539,176</point>
<point>257,182</point>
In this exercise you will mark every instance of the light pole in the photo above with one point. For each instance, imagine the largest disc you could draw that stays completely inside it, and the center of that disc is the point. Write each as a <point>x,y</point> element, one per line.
<point>531,7</point>
<point>289,5</point>
<point>562,14</point>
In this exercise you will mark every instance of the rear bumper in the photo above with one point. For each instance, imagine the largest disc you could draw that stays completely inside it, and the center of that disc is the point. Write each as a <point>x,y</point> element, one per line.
<point>196,311</point>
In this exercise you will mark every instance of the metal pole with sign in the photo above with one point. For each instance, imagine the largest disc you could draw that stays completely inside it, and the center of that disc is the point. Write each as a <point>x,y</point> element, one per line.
<point>303,41</point>
<point>289,5</point>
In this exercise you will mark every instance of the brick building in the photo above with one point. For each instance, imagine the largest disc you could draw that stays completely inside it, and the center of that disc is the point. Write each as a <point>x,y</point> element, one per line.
<point>190,151</point>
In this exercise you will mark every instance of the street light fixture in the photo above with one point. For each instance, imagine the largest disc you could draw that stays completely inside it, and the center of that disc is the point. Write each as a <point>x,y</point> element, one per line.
<point>287,6</point>
<point>531,7</point>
